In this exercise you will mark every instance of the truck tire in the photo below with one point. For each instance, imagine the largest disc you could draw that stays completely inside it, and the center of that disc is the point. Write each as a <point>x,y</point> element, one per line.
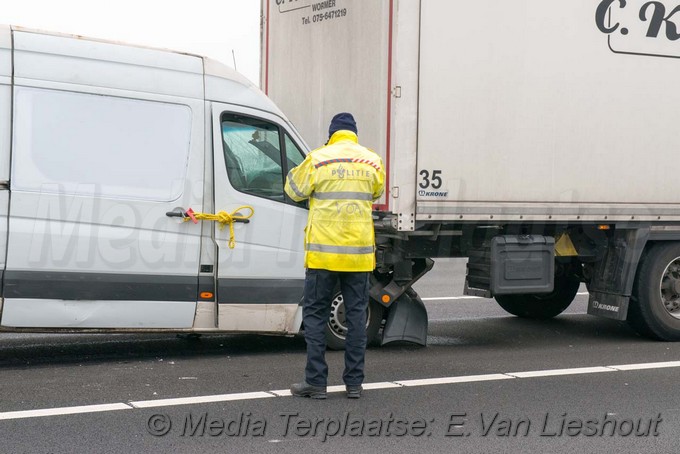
<point>654,309</point>
<point>336,328</point>
<point>542,306</point>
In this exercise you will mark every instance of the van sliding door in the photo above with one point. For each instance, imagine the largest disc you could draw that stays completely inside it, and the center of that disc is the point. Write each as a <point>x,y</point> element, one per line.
<point>5,125</point>
<point>106,140</point>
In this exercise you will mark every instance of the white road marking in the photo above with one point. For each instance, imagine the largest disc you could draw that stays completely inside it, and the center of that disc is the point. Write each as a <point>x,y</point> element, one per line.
<point>200,399</point>
<point>447,380</point>
<point>38,413</point>
<point>644,366</point>
<point>448,298</point>
<point>556,372</point>
<point>467,297</point>
<point>382,385</point>
<point>281,392</point>
<point>63,411</point>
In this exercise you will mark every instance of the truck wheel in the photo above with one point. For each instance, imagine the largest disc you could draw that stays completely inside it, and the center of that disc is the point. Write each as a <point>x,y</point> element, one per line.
<point>543,305</point>
<point>336,328</point>
<point>654,309</point>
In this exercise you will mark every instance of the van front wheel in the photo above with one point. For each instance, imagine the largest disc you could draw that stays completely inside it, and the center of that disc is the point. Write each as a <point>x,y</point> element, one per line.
<point>336,328</point>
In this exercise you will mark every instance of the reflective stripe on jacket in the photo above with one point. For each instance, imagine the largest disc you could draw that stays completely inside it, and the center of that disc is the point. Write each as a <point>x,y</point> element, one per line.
<point>341,181</point>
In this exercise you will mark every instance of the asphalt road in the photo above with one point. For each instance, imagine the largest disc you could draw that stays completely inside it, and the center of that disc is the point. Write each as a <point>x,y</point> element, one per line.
<point>486,382</point>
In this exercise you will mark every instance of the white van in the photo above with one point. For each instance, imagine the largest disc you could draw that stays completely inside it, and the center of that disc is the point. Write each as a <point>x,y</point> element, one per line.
<point>102,146</point>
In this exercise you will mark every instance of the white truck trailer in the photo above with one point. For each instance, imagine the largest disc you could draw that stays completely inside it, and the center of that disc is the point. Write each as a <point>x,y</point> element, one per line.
<point>535,137</point>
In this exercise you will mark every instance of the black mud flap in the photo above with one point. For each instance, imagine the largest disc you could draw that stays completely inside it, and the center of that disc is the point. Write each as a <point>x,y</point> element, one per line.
<point>406,321</point>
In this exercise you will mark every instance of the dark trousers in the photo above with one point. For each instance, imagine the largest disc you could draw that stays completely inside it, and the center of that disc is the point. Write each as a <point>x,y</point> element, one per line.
<point>319,288</point>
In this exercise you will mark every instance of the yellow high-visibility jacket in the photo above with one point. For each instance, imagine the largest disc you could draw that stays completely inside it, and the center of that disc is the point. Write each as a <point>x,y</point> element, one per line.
<point>341,181</point>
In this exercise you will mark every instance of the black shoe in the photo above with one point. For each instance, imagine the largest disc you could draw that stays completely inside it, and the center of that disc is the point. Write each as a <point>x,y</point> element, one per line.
<point>306,390</point>
<point>354,392</point>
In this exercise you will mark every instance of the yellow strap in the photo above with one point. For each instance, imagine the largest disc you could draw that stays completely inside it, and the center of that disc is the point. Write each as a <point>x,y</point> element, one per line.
<point>225,218</point>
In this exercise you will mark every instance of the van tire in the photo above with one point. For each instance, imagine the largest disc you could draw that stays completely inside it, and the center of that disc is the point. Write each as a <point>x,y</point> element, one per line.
<point>542,306</point>
<point>336,329</point>
<point>654,309</point>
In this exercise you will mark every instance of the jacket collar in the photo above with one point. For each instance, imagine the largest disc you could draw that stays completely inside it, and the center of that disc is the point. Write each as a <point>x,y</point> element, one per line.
<point>341,135</point>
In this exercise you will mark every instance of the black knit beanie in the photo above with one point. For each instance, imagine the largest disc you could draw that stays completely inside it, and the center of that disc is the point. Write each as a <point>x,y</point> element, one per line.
<point>342,121</point>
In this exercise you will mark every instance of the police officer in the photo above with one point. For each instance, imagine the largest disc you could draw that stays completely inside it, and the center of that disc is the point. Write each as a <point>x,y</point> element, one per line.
<point>341,181</point>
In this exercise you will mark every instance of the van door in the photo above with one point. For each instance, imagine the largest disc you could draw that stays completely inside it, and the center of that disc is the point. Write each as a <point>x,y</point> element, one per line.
<point>5,127</point>
<point>260,281</point>
<point>106,140</point>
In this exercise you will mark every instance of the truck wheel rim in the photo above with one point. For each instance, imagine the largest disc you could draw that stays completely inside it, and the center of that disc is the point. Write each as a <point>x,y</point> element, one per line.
<point>670,288</point>
<point>338,320</point>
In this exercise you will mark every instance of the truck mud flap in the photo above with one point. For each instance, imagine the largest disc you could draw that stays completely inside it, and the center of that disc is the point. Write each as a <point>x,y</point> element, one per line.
<point>406,321</point>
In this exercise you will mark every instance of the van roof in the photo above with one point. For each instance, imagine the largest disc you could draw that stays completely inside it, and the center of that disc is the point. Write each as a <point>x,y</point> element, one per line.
<point>18,28</point>
<point>237,90</point>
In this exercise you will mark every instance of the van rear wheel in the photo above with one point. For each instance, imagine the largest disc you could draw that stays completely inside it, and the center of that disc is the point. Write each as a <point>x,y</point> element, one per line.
<point>542,306</point>
<point>336,328</point>
<point>654,309</point>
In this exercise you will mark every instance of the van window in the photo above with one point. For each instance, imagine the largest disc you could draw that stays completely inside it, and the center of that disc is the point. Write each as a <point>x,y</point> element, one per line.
<point>252,154</point>
<point>125,148</point>
<point>293,153</point>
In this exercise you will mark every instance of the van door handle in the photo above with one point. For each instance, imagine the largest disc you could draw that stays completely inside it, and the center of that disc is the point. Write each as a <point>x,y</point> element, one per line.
<point>182,213</point>
<point>177,213</point>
